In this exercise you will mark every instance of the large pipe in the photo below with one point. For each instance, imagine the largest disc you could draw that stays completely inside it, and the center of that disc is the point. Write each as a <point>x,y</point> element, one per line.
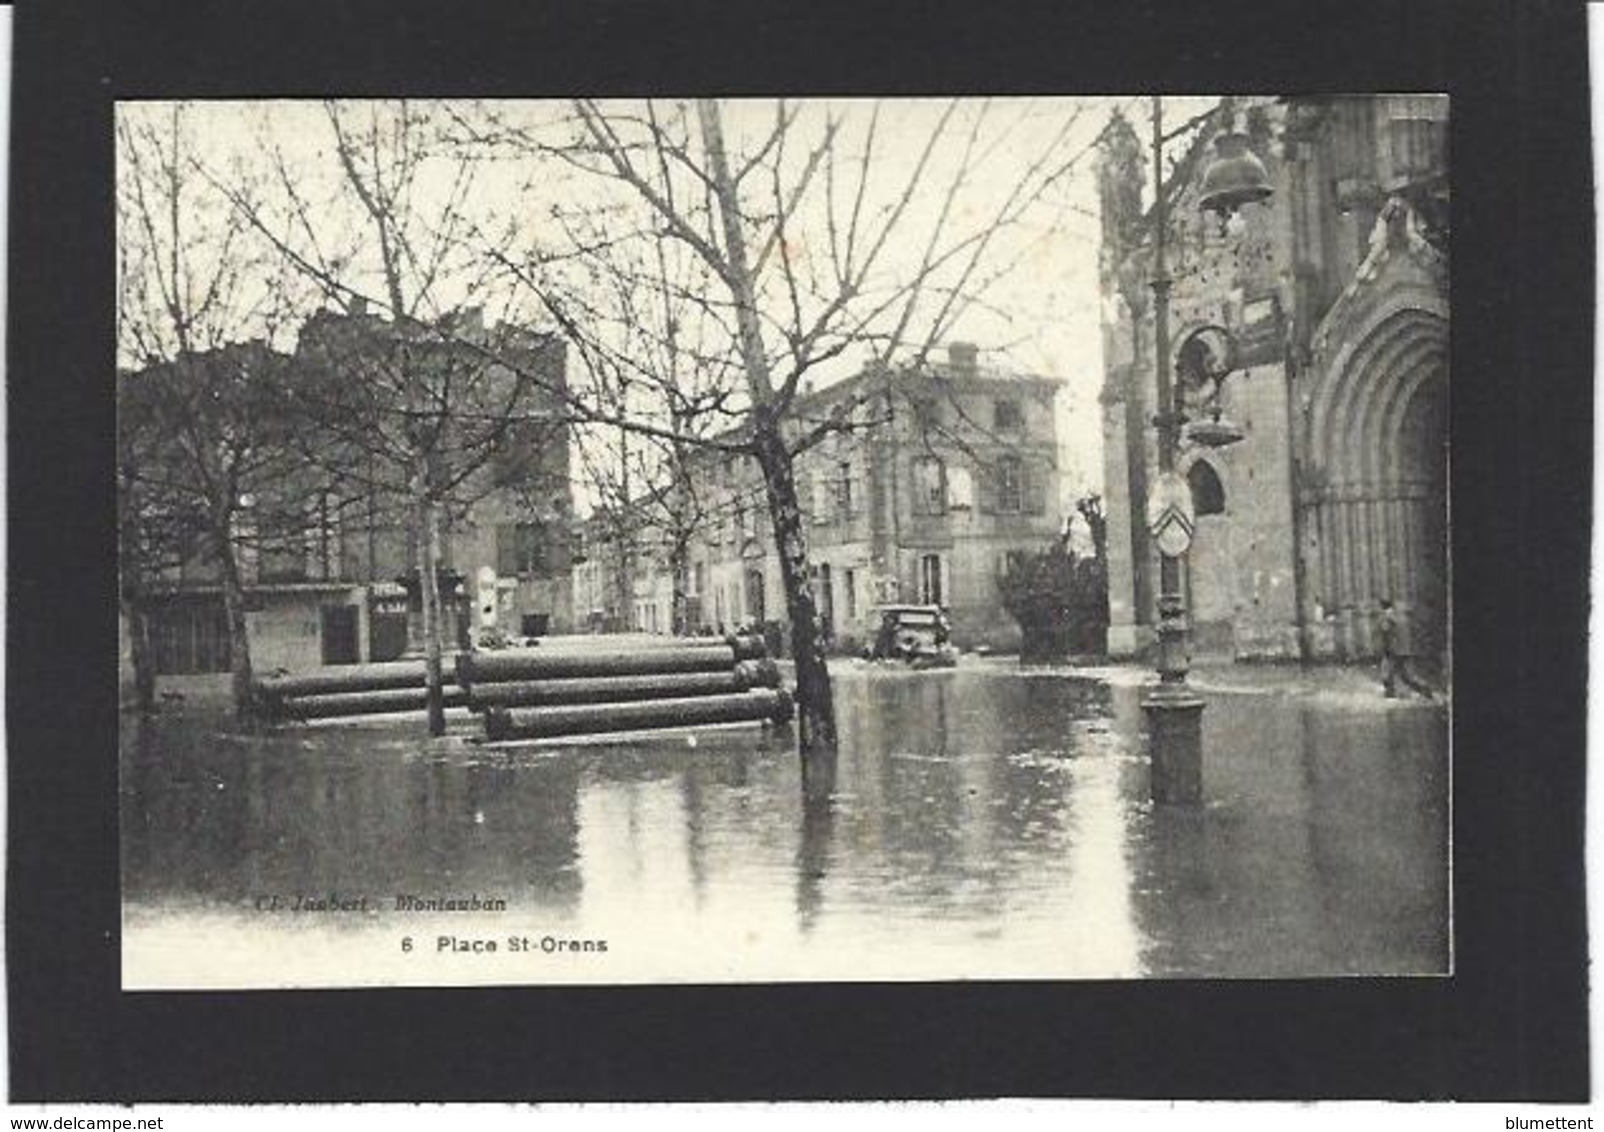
<point>362,703</point>
<point>773,704</point>
<point>745,675</point>
<point>346,678</point>
<point>557,664</point>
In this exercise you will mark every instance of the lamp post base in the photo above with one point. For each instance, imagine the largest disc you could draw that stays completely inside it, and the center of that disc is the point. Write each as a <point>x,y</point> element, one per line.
<point>1175,744</point>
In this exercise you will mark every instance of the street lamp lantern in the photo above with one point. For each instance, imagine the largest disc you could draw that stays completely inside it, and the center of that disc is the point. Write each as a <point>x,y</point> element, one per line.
<point>1213,432</point>
<point>1234,178</point>
<point>1204,359</point>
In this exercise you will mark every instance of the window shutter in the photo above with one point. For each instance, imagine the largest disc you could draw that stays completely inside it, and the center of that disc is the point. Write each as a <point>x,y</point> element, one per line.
<point>986,489</point>
<point>1034,487</point>
<point>507,549</point>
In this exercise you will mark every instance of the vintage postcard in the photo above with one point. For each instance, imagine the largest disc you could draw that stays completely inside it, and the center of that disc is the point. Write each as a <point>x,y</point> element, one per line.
<point>770,540</point>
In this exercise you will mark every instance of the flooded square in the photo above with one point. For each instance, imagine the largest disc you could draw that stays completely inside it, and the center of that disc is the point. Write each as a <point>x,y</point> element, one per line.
<point>987,822</point>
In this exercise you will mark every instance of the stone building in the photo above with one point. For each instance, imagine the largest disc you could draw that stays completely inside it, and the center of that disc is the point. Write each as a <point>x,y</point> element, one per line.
<point>948,478</point>
<point>328,558</point>
<point>1334,294</point>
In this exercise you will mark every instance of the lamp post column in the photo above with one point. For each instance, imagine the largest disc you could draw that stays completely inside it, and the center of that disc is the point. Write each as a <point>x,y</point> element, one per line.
<point>1174,712</point>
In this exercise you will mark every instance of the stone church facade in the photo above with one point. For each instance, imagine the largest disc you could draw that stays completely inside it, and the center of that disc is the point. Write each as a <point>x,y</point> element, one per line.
<point>1334,293</point>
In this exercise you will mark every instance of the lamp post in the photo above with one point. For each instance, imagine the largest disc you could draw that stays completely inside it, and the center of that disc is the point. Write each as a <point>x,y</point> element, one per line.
<point>1175,712</point>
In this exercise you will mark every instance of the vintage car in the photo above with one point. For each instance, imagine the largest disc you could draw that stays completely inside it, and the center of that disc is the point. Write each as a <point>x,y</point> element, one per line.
<point>916,634</point>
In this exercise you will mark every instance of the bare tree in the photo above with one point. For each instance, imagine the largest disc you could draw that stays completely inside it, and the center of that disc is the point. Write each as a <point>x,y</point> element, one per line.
<point>404,391</point>
<point>192,442</point>
<point>659,360</point>
<point>821,234</point>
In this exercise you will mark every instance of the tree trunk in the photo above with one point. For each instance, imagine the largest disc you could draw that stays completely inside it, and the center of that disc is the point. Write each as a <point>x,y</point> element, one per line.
<point>131,571</point>
<point>679,568</point>
<point>239,645</point>
<point>142,656</point>
<point>429,583</point>
<point>815,699</point>
<point>815,703</point>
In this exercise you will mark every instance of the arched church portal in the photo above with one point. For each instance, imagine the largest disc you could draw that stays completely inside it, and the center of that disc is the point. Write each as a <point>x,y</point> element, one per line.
<point>1379,518</point>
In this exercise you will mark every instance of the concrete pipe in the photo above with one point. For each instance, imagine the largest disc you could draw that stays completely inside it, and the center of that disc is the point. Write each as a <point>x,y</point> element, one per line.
<point>586,719</point>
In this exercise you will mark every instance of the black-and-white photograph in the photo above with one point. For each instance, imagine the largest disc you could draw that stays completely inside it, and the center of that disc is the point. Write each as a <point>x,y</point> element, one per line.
<point>774,540</point>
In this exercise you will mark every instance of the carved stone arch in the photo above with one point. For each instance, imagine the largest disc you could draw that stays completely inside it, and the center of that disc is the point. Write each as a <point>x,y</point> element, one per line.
<point>1377,419</point>
<point>1347,382</point>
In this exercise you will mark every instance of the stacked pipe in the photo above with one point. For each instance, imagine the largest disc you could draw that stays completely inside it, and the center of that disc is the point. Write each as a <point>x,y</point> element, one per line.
<point>358,689</point>
<point>582,689</point>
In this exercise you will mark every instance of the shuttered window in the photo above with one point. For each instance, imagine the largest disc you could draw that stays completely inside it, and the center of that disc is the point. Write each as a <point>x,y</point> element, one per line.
<point>929,486</point>
<point>1010,482</point>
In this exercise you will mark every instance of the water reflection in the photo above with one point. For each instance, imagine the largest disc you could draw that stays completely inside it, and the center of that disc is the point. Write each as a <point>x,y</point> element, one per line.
<point>977,823</point>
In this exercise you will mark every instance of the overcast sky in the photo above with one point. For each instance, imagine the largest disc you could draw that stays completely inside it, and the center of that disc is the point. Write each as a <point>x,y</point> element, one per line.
<point>1042,318</point>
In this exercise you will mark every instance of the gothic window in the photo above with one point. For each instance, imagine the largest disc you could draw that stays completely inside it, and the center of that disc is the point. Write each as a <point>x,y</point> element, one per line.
<point>1208,494</point>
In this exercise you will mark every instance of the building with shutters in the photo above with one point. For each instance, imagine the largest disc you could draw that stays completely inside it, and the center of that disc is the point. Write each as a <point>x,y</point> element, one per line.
<point>947,478</point>
<point>328,557</point>
<point>1335,292</point>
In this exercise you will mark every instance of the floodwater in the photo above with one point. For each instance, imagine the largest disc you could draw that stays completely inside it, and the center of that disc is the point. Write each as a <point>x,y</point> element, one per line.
<point>982,823</point>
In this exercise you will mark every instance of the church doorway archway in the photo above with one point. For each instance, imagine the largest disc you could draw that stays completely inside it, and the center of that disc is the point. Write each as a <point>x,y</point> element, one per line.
<point>1378,520</point>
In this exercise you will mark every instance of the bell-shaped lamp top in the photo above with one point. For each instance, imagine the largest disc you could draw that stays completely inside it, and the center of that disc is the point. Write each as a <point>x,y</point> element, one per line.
<point>1235,177</point>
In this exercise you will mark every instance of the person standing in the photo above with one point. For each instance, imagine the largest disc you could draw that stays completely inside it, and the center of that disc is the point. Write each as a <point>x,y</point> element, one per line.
<point>1388,628</point>
<point>1394,661</point>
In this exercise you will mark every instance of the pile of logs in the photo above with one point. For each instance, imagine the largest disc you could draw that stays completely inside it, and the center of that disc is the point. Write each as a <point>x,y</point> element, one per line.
<point>577,686</point>
<point>589,688</point>
<point>355,689</point>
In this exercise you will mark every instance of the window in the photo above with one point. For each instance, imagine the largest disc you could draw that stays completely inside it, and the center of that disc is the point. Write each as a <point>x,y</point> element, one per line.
<point>929,486</point>
<point>843,489</point>
<point>755,611</point>
<point>926,413</point>
<point>930,579</point>
<point>1208,494</point>
<point>849,595</point>
<point>1007,416</point>
<point>521,548</point>
<point>286,546</point>
<point>1013,563</point>
<point>1010,484</point>
<point>824,593</point>
<point>960,488</point>
<point>821,492</point>
<point>517,457</point>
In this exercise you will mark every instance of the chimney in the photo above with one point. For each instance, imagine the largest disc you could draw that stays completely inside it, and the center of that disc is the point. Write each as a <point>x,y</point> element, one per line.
<point>963,358</point>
